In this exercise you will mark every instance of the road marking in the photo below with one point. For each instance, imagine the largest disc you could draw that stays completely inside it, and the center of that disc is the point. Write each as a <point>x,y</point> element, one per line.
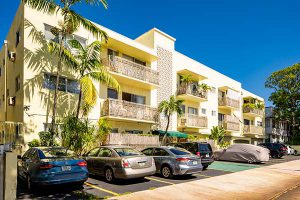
<point>102,189</point>
<point>276,196</point>
<point>158,180</point>
<point>202,175</point>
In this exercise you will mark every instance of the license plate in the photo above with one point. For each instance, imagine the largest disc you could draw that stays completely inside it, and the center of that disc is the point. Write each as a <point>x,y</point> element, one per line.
<point>142,164</point>
<point>207,155</point>
<point>65,168</point>
<point>195,162</point>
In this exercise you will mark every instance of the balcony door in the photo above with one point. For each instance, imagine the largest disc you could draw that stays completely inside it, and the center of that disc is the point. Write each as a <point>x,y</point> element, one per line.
<point>221,117</point>
<point>133,98</point>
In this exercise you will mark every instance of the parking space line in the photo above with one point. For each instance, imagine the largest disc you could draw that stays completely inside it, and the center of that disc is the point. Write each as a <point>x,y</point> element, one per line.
<point>102,189</point>
<point>158,180</point>
<point>202,175</point>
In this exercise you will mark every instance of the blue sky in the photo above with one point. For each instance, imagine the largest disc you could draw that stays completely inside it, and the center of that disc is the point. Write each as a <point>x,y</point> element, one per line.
<point>243,39</point>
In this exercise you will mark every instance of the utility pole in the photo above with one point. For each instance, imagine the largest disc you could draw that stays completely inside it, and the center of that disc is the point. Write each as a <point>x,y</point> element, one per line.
<point>5,89</point>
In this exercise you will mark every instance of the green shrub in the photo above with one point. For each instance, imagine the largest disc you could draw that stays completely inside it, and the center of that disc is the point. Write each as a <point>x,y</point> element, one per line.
<point>34,143</point>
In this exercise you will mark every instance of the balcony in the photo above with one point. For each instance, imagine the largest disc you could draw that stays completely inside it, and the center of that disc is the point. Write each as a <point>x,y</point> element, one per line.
<point>191,93</point>
<point>193,121</point>
<point>253,111</point>
<point>227,102</point>
<point>253,130</point>
<point>230,123</point>
<point>138,75</point>
<point>129,111</point>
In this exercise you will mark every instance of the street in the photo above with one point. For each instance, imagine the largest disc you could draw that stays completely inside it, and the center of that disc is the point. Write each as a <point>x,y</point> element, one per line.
<point>97,187</point>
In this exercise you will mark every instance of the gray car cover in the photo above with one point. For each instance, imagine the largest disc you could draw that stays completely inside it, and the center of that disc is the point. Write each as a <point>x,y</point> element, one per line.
<point>243,153</point>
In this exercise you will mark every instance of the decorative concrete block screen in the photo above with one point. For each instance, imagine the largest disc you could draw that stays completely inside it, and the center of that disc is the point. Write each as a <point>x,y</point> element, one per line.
<point>134,140</point>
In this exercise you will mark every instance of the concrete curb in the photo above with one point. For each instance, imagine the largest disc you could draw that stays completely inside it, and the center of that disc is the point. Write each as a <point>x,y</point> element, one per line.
<point>259,183</point>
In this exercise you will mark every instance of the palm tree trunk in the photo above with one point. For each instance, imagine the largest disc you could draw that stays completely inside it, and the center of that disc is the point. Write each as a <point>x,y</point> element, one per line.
<point>166,131</point>
<point>55,92</point>
<point>79,102</point>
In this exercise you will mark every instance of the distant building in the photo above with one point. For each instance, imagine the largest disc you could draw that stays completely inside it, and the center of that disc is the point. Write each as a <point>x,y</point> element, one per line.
<point>276,131</point>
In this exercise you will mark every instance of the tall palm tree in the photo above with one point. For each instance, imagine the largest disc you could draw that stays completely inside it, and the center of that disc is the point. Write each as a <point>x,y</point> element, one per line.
<point>90,68</point>
<point>168,108</point>
<point>71,22</point>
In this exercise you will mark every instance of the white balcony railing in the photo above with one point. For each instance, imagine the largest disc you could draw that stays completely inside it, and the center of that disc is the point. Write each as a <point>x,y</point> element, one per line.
<point>190,120</point>
<point>227,101</point>
<point>253,111</point>
<point>251,129</point>
<point>182,89</point>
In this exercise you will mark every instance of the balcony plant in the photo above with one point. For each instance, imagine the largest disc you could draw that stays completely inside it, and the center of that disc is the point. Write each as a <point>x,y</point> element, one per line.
<point>186,80</point>
<point>217,134</point>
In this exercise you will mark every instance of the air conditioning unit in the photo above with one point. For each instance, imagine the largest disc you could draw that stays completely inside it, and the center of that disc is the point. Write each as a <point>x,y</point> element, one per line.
<point>12,56</point>
<point>11,101</point>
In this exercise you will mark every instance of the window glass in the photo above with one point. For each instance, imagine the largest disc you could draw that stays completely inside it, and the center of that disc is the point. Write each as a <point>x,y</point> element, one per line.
<point>147,152</point>
<point>179,151</point>
<point>160,152</point>
<point>58,152</point>
<point>49,81</point>
<point>94,152</point>
<point>203,111</point>
<point>213,113</point>
<point>18,83</point>
<point>193,111</point>
<point>134,131</point>
<point>133,98</point>
<point>140,62</point>
<point>104,152</point>
<point>127,57</point>
<point>221,117</point>
<point>183,108</point>
<point>205,147</point>
<point>73,86</point>
<point>17,37</point>
<point>127,152</point>
<point>62,84</point>
<point>114,130</point>
<point>246,122</point>
<point>112,93</point>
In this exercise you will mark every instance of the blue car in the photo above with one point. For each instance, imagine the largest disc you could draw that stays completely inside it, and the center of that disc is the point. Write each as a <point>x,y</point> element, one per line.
<point>51,166</point>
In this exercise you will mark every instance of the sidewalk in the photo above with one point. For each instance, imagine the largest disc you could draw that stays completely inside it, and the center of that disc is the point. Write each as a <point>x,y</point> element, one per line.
<point>259,183</point>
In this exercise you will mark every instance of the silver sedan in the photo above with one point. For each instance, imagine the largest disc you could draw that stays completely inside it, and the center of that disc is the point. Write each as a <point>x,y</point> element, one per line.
<point>172,161</point>
<point>119,162</point>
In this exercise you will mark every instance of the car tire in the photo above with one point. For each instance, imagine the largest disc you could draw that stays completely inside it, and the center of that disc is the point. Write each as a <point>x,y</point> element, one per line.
<point>205,167</point>
<point>166,172</point>
<point>109,175</point>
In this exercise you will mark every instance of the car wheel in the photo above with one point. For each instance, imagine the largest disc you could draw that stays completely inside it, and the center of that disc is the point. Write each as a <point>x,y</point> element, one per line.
<point>109,175</point>
<point>205,167</point>
<point>166,172</point>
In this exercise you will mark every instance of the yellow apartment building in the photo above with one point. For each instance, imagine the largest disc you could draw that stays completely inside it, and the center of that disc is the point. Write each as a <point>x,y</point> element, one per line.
<point>148,69</point>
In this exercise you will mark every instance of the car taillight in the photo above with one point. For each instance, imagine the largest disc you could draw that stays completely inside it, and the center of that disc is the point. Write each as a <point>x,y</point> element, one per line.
<point>82,164</point>
<point>153,162</point>
<point>283,149</point>
<point>182,159</point>
<point>125,164</point>
<point>46,166</point>
<point>198,153</point>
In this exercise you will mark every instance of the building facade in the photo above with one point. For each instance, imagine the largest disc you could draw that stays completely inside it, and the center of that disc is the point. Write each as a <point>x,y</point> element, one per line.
<point>148,69</point>
<point>276,131</point>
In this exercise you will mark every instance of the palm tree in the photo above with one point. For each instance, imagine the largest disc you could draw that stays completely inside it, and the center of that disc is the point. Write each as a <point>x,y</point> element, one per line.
<point>90,68</point>
<point>71,22</point>
<point>168,108</point>
<point>186,79</point>
<point>204,87</point>
<point>217,134</point>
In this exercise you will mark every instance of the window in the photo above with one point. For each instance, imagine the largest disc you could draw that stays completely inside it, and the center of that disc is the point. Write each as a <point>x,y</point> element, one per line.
<point>203,111</point>
<point>17,83</point>
<point>213,113</point>
<point>65,85</point>
<point>213,90</point>
<point>259,123</point>
<point>133,98</point>
<point>268,123</point>
<point>57,127</point>
<point>193,111</point>
<point>112,93</point>
<point>221,117</point>
<point>114,130</point>
<point>246,122</point>
<point>132,59</point>
<point>148,152</point>
<point>127,152</point>
<point>18,37</point>
<point>94,152</point>
<point>180,151</point>
<point>160,152</point>
<point>183,108</point>
<point>104,152</point>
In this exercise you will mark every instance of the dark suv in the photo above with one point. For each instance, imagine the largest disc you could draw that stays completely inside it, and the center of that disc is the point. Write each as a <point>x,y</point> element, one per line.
<point>276,150</point>
<point>201,149</point>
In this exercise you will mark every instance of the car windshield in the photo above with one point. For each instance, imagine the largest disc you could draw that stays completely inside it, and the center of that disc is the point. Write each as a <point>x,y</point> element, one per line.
<point>205,147</point>
<point>127,152</point>
<point>55,153</point>
<point>179,151</point>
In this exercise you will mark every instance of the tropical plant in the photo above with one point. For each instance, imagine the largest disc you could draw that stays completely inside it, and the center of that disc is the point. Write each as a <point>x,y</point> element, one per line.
<point>204,87</point>
<point>90,68</point>
<point>217,134</point>
<point>285,97</point>
<point>186,79</point>
<point>104,129</point>
<point>34,143</point>
<point>77,134</point>
<point>70,23</point>
<point>168,108</point>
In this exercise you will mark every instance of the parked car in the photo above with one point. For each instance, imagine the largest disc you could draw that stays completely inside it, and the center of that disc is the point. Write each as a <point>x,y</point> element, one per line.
<point>119,162</point>
<point>276,150</point>
<point>51,165</point>
<point>172,161</point>
<point>201,149</point>
<point>290,150</point>
<point>243,153</point>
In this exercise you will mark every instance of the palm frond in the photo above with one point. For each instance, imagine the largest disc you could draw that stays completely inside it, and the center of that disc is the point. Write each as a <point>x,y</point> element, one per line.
<point>76,45</point>
<point>46,6</point>
<point>67,56</point>
<point>104,77</point>
<point>94,50</point>
<point>36,36</point>
<point>88,25</point>
<point>89,91</point>
<point>97,3</point>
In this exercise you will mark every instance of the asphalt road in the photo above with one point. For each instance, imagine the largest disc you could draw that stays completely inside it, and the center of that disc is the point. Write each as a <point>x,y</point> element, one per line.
<point>96,186</point>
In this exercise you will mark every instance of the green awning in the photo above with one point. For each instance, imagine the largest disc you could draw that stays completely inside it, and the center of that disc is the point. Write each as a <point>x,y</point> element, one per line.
<point>173,134</point>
